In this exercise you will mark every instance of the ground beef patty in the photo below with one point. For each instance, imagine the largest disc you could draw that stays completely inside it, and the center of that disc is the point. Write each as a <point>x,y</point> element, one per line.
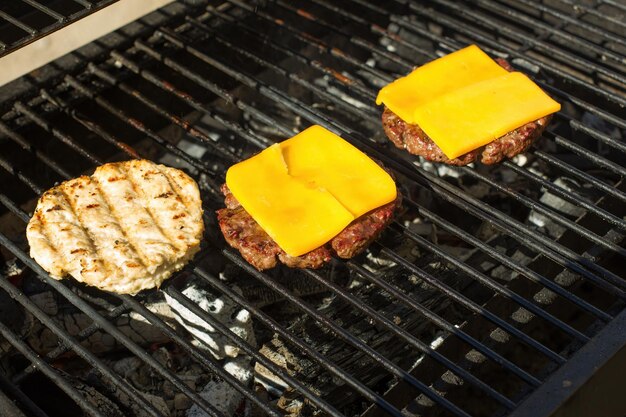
<point>243,233</point>
<point>412,138</point>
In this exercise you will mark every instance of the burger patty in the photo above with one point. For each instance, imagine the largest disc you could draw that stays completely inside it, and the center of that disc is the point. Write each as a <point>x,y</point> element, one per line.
<point>124,229</point>
<point>243,233</point>
<point>412,138</point>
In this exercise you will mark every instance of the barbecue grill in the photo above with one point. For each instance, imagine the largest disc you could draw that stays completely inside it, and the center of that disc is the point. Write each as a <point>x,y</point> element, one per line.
<point>496,291</point>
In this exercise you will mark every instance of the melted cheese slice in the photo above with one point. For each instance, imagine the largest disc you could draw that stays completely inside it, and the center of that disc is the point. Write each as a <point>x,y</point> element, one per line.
<point>483,112</point>
<point>449,73</point>
<point>465,100</point>
<point>307,189</point>
<point>319,156</point>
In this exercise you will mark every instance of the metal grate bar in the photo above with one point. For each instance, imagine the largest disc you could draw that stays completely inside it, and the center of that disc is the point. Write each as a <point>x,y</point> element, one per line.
<point>45,9</point>
<point>571,225</point>
<point>613,3</point>
<point>60,20</point>
<point>26,111</point>
<point>573,20</point>
<point>17,23</point>
<point>337,78</point>
<point>544,46</point>
<point>462,300</point>
<point>64,347</point>
<point>47,370</point>
<point>181,298</point>
<point>572,197</point>
<point>135,123</point>
<point>305,37</point>
<point>327,364</point>
<point>253,84</point>
<point>259,141</point>
<point>422,347</point>
<point>197,133</point>
<point>483,279</point>
<point>17,138</point>
<point>356,40</point>
<point>68,340</point>
<point>584,152</point>
<point>507,261</point>
<point>109,328</point>
<point>346,336</point>
<point>601,185</point>
<point>294,77</point>
<point>316,118</point>
<point>467,30</point>
<point>212,87</point>
<point>594,12</point>
<point>20,398</point>
<point>18,174</point>
<point>202,358</point>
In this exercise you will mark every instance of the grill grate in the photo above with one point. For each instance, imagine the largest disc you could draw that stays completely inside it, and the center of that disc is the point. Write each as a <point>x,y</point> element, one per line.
<point>250,75</point>
<point>25,21</point>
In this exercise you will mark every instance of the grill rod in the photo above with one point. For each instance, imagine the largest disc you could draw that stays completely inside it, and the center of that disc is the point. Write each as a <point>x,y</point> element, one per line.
<point>48,371</point>
<point>458,25</point>
<point>317,118</point>
<point>599,212</point>
<point>437,320</point>
<point>532,308</point>
<point>68,340</point>
<point>108,327</point>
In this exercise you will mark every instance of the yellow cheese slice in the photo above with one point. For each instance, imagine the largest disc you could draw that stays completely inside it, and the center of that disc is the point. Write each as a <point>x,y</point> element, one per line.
<point>451,72</point>
<point>307,189</point>
<point>323,158</point>
<point>298,216</point>
<point>468,118</point>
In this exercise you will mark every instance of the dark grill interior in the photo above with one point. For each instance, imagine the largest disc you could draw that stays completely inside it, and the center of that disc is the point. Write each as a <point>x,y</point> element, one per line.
<point>489,280</point>
<point>24,21</point>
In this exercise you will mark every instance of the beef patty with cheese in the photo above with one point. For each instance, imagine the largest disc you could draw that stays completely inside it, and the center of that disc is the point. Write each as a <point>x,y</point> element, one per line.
<point>257,247</point>
<point>124,229</point>
<point>413,139</point>
<point>305,199</point>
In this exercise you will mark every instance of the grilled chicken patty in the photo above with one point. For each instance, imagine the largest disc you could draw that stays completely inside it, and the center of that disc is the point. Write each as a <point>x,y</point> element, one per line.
<point>412,138</point>
<point>243,233</point>
<point>124,229</point>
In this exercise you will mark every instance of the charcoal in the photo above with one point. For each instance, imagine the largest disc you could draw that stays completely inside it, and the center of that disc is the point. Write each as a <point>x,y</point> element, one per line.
<point>222,309</point>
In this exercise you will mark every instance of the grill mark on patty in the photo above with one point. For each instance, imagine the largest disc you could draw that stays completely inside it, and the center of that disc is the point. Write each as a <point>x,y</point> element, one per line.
<point>170,236</point>
<point>177,189</point>
<point>134,246</point>
<point>70,239</point>
<point>146,205</point>
<point>180,196</point>
<point>49,243</point>
<point>98,243</point>
<point>78,224</point>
